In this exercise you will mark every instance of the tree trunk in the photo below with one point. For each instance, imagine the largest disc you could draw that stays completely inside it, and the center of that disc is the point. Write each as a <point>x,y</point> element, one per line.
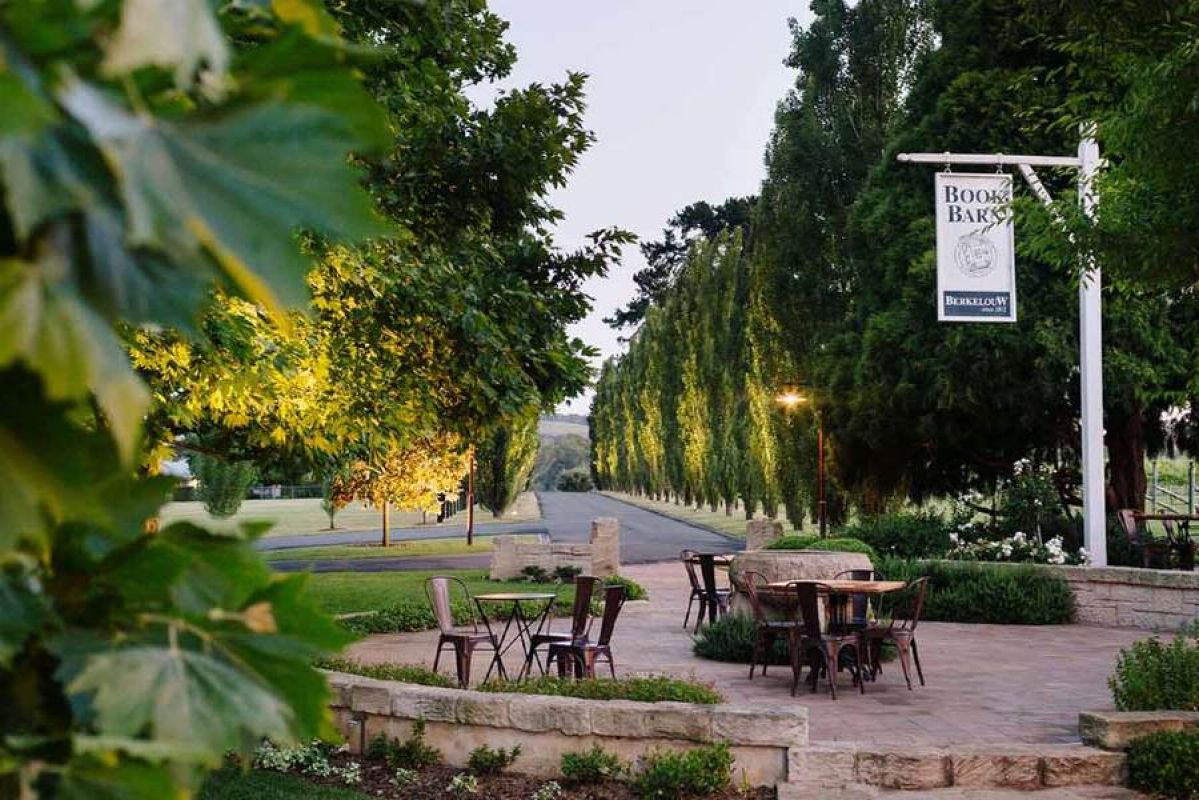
<point>1126,456</point>
<point>386,524</point>
<point>728,508</point>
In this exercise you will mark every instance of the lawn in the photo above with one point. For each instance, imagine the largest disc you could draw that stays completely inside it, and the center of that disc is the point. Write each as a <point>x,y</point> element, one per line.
<point>305,516</point>
<point>731,525</point>
<point>233,784</point>
<point>348,592</point>
<point>455,546</point>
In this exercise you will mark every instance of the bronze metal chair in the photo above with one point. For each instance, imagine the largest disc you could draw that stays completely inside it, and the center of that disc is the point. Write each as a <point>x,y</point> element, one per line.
<point>712,598</point>
<point>580,621</point>
<point>903,633</point>
<point>687,557</point>
<point>1154,554</point>
<point>438,590</point>
<point>585,655</point>
<point>822,650</point>
<point>769,630</point>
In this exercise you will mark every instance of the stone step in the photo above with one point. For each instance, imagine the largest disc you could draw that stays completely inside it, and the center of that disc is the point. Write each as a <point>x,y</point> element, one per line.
<point>1021,767</point>
<point>796,791</point>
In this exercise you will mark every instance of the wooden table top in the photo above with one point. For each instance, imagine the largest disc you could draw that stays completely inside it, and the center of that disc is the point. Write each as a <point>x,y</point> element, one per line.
<point>1165,517</point>
<point>846,586</point>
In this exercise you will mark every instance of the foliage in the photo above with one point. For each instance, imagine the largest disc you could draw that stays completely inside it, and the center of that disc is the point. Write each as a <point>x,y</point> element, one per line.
<point>549,790</point>
<point>484,760</point>
<point>234,783</point>
<point>835,544</point>
<point>1165,764</point>
<point>223,485</point>
<point>150,160</point>
<point>404,673</point>
<point>731,638</point>
<point>566,573</point>
<point>644,689</point>
<point>699,771</point>
<point>329,503</point>
<point>414,478</point>
<point>1016,548</point>
<point>535,574</point>
<point>576,480</point>
<point>632,589</point>
<point>1153,676</point>
<point>996,594</point>
<point>592,766</point>
<point>558,455</point>
<point>412,753</point>
<point>463,784</point>
<point>313,759</point>
<point>921,534</point>
<point>505,463</point>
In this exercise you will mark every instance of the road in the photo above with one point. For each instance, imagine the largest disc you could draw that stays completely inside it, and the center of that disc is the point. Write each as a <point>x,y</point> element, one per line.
<point>566,517</point>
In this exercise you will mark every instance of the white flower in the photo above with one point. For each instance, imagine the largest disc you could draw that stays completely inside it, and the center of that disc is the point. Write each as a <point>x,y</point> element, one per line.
<point>1006,549</point>
<point>953,537</point>
<point>1018,536</point>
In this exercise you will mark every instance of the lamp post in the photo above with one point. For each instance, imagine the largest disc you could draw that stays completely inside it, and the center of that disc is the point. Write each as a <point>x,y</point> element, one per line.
<point>789,400</point>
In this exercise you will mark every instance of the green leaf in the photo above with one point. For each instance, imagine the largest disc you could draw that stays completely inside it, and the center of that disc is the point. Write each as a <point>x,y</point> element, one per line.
<point>74,350</point>
<point>236,185</point>
<point>92,778</point>
<point>180,698</point>
<point>25,113</point>
<point>22,612</point>
<point>175,34</point>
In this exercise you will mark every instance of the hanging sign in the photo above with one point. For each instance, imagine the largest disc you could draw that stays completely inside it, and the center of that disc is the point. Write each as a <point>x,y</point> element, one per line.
<point>976,266</point>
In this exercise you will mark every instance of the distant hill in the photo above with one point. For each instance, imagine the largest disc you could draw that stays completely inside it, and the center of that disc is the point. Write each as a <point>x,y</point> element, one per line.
<point>553,425</point>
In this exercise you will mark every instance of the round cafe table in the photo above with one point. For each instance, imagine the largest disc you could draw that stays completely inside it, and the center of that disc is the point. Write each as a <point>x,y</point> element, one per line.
<point>527,613</point>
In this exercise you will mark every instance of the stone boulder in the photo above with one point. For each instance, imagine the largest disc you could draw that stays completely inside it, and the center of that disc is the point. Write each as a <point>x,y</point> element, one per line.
<point>791,565</point>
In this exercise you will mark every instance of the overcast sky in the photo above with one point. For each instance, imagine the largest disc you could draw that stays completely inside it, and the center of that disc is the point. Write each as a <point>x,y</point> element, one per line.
<point>681,97</point>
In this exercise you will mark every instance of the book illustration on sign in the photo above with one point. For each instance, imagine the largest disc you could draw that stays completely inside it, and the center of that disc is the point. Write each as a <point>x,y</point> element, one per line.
<point>975,256</point>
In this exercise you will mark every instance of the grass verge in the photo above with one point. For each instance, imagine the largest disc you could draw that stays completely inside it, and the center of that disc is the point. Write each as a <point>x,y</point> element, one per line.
<point>411,548</point>
<point>232,783</point>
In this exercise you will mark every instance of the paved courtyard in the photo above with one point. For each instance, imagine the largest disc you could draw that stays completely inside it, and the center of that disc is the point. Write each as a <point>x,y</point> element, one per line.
<point>986,683</point>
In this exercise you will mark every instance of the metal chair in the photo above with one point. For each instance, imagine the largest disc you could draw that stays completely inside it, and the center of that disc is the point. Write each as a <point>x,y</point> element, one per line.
<point>585,655</point>
<point>687,556</point>
<point>825,647</point>
<point>438,591</point>
<point>903,634</point>
<point>712,598</point>
<point>769,630</point>
<point>580,621</point>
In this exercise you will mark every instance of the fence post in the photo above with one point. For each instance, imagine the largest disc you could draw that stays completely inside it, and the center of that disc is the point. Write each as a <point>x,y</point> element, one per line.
<point>1191,488</point>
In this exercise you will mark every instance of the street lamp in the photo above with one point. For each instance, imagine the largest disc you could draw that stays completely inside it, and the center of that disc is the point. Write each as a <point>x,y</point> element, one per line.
<point>790,399</point>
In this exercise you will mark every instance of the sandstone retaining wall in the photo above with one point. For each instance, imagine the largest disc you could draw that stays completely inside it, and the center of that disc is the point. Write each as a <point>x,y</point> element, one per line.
<point>457,721</point>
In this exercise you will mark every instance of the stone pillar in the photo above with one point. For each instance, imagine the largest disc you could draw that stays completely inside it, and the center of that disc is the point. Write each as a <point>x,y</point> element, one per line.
<point>761,531</point>
<point>504,559</point>
<point>605,547</point>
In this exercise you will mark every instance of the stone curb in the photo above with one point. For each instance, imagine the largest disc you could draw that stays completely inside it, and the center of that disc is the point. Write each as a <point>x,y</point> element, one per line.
<point>737,724</point>
<point>1115,730</point>
<point>1022,767</point>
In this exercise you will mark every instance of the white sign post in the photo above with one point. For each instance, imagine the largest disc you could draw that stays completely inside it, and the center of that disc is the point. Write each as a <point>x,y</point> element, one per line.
<point>1090,327</point>
<point>976,263</point>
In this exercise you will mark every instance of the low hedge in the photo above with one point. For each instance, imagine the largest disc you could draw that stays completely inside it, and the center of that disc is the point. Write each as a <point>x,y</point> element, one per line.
<point>921,534</point>
<point>404,673</point>
<point>838,545</point>
<point>644,689</point>
<point>731,638</point>
<point>416,614</point>
<point>987,593</point>
<point>1165,764</point>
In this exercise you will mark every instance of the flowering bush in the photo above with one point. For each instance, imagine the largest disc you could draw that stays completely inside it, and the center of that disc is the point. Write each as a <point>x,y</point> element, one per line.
<point>1017,548</point>
<point>311,759</point>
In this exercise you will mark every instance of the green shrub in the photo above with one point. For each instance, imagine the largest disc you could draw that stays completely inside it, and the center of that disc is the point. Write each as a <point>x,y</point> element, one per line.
<point>1152,676</point>
<point>998,594</point>
<point>535,574</point>
<point>651,689</point>
<point>412,753</point>
<point>485,761</point>
<point>405,673</point>
<point>567,573</point>
<point>592,766</point>
<point>839,545</point>
<point>576,480</point>
<point>1165,764</point>
<point>922,534</point>
<point>632,589</point>
<point>700,771</point>
<point>731,638</point>
<point>222,484</point>
<point>411,615</point>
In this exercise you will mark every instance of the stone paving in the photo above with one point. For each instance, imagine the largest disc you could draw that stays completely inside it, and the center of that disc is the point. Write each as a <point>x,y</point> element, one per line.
<point>986,683</point>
